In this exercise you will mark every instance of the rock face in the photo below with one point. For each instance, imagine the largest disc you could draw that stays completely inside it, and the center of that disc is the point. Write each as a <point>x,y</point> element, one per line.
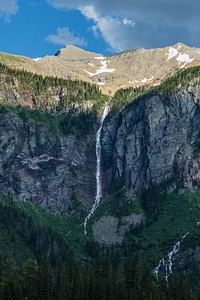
<point>155,140</point>
<point>46,167</point>
<point>110,230</point>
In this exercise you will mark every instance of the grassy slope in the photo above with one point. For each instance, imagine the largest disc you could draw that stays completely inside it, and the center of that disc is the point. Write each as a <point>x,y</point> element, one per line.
<point>36,115</point>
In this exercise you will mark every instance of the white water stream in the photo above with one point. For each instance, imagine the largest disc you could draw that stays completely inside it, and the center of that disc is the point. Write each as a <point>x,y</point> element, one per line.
<point>167,263</point>
<point>98,169</point>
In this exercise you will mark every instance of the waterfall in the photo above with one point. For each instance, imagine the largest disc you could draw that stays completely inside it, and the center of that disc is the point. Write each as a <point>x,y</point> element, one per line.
<point>98,168</point>
<point>167,263</point>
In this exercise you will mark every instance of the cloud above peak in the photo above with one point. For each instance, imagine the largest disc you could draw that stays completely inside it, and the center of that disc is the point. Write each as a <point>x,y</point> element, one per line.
<point>8,8</point>
<point>64,37</point>
<point>126,24</point>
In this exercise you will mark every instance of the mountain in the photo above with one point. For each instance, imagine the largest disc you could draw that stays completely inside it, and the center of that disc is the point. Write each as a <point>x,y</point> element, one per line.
<point>127,69</point>
<point>79,181</point>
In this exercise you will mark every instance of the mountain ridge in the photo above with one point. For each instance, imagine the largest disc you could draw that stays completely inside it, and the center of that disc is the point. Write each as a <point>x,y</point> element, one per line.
<point>131,68</point>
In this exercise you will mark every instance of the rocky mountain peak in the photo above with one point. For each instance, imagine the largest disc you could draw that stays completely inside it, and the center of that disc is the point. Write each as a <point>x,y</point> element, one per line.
<point>126,69</point>
<point>72,52</point>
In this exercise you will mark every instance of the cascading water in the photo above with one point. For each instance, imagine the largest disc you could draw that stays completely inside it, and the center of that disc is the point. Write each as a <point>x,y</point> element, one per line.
<point>98,169</point>
<point>167,263</point>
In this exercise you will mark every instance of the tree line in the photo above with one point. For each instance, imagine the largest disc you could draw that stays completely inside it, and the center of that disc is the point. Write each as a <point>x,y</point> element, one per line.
<point>69,280</point>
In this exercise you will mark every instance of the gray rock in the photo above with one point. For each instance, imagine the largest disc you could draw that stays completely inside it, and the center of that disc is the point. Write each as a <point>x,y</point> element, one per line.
<point>154,140</point>
<point>111,230</point>
<point>46,167</point>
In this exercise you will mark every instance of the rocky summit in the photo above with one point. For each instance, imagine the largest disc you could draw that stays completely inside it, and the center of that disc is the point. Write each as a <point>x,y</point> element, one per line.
<point>131,68</point>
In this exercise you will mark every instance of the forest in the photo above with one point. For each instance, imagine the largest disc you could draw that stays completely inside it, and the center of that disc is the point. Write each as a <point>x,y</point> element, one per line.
<point>69,280</point>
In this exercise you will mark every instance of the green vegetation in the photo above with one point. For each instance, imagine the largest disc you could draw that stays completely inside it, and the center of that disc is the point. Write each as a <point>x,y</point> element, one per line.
<point>179,215</point>
<point>32,115</point>
<point>120,203</point>
<point>183,78</point>
<point>76,112</point>
<point>23,235</point>
<point>8,57</point>
<point>28,233</point>
<point>125,96</point>
<point>176,215</point>
<point>37,280</point>
<point>53,227</point>
<point>79,124</point>
<point>77,90</point>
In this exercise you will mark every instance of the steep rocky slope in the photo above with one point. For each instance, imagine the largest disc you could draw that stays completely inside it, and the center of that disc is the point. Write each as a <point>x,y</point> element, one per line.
<point>47,140</point>
<point>155,140</point>
<point>130,68</point>
<point>46,167</point>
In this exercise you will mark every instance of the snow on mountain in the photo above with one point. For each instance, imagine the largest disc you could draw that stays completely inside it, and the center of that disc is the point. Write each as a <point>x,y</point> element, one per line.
<point>128,69</point>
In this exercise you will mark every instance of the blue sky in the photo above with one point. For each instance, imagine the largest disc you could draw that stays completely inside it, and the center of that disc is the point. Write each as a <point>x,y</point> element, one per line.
<point>36,28</point>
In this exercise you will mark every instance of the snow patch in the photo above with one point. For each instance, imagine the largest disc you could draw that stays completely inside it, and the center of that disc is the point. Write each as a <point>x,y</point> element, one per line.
<point>103,69</point>
<point>141,81</point>
<point>184,59</point>
<point>37,58</point>
<point>134,81</point>
<point>100,57</point>
<point>172,53</point>
<point>147,79</point>
<point>91,64</point>
<point>179,46</point>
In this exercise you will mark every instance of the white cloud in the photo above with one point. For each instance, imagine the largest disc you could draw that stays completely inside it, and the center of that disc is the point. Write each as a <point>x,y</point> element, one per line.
<point>111,29</point>
<point>8,8</point>
<point>126,24</point>
<point>64,37</point>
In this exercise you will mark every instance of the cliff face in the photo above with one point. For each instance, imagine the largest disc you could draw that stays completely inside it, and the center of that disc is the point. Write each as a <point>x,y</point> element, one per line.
<point>155,140</point>
<point>44,166</point>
